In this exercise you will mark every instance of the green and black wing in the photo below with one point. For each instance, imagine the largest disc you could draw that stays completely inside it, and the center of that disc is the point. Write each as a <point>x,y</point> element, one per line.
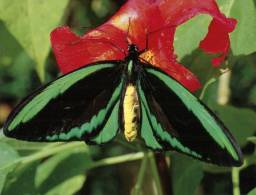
<point>82,105</point>
<point>174,119</point>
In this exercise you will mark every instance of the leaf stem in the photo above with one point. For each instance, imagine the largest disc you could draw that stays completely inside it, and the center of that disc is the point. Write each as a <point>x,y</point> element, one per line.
<point>230,7</point>
<point>118,159</point>
<point>53,150</point>
<point>235,180</point>
<point>76,145</point>
<point>207,84</point>
<point>44,153</point>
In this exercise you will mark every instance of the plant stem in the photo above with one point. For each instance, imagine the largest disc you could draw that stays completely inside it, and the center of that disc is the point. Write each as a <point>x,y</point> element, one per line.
<point>107,161</point>
<point>235,181</point>
<point>44,153</point>
<point>51,150</point>
<point>209,82</point>
<point>230,7</point>
<point>141,175</point>
<point>223,99</point>
<point>118,159</point>
<point>156,174</point>
<point>223,89</point>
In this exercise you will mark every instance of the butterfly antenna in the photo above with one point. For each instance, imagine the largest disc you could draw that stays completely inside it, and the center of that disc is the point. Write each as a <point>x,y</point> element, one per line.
<point>86,27</point>
<point>147,35</point>
<point>128,32</point>
<point>152,32</point>
<point>112,44</point>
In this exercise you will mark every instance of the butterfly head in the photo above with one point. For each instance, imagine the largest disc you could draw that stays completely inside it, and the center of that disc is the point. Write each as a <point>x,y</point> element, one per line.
<point>133,51</point>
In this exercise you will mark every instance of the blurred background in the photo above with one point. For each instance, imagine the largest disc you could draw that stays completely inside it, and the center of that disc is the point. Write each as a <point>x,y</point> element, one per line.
<point>26,62</point>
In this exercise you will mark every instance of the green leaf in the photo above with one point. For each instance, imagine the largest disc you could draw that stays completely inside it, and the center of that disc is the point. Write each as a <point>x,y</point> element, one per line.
<point>55,172</point>
<point>252,139</point>
<point>200,64</point>
<point>21,180</point>
<point>183,43</point>
<point>244,36</point>
<point>243,77</point>
<point>15,66</point>
<point>240,121</point>
<point>25,146</point>
<point>69,186</point>
<point>253,192</point>
<point>9,47</point>
<point>16,79</point>
<point>31,22</point>
<point>186,173</point>
<point>8,155</point>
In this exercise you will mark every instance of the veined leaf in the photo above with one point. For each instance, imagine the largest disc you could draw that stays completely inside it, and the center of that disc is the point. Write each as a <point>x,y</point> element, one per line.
<point>31,22</point>
<point>244,36</point>
<point>183,43</point>
<point>52,175</point>
<point>69,186</point>
<point>8,155</point>
<point>21,180</point>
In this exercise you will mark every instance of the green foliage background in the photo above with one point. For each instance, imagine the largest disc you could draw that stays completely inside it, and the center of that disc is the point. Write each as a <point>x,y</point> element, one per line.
<point>26,61</point>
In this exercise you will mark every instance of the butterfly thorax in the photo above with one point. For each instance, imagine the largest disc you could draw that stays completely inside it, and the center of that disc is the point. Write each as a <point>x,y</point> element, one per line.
<point>132,65</point>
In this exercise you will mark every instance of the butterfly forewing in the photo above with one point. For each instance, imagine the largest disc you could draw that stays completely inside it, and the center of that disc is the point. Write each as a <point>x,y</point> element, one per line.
<point>76,106</point>
<point>181,122</point>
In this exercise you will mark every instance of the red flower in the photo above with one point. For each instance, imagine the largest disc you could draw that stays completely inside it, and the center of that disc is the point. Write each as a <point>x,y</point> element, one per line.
<point>152,20</point>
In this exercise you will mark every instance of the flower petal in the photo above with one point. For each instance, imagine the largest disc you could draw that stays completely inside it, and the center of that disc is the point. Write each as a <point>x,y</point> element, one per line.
<point>72,51</point>
<point>160,54</point>
<point>139,22</point>
<point>217,39</point>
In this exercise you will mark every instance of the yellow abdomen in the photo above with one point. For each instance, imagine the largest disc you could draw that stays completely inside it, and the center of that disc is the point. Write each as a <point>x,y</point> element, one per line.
<point>130,113</point>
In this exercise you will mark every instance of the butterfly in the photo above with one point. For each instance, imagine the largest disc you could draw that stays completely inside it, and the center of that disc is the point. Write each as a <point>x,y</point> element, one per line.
<point>97,101</point>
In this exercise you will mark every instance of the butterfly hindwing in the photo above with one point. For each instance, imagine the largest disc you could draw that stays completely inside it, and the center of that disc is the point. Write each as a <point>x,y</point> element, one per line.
<point>181,122</point>
<point>76,106</point>
<point>147,132</point>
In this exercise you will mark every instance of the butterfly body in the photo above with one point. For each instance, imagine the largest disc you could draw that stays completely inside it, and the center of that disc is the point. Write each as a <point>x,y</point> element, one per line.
<point>131,113</point>
<point>97,101</point>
